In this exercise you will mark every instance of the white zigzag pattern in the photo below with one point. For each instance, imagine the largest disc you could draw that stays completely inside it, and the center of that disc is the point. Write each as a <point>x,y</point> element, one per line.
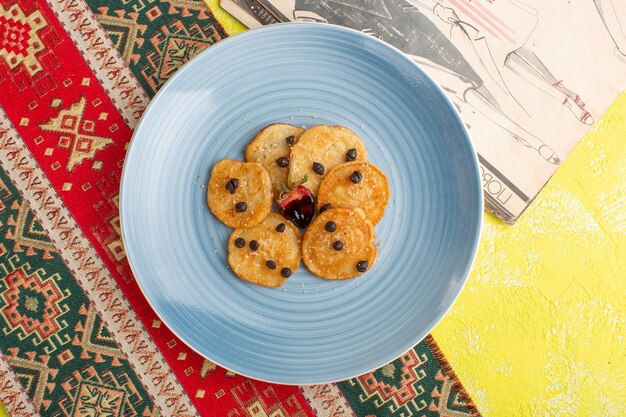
<point>327,400</point>
<point>104,60</point>
<point>12,394</point>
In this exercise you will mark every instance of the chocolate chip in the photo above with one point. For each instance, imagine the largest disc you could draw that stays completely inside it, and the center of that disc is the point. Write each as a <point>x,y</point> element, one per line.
<point>356,177</point>
<point>338,245</point>
<point>240,242</point>
<point>361,266</point>
<point>241,207</point>
<point>285,272</point>
<point>280,228</point>
<point>318,168</point>
<point>351,155</point>
<point>282,162</point>
<point>230,187</point>
<point>270,264</point>
<point>291,140</point>
<point>254,245</point>
<point>331,226</point>
<point>325,207</point>
<point>232,184</point>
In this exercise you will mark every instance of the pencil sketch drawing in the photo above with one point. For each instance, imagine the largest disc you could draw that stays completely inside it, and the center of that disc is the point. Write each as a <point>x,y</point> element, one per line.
<point>466,47</point>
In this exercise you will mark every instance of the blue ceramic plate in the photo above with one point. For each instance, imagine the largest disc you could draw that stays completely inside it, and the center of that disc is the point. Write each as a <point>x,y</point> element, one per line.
<point>309,330</point>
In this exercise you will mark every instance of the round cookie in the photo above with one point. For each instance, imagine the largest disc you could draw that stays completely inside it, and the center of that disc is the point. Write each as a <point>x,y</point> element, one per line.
<point>356,184</point>
<point>274,256</point>
<point>327,146</point>
<point>239,193</point>
<point>352,256</point>
<point>269,146</point>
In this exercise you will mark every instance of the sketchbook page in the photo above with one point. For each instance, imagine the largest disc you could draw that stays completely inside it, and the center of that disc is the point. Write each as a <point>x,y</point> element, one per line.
<point>529,77</point>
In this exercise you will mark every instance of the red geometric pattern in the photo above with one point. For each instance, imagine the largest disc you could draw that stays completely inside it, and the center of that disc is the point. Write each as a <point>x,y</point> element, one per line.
<point>31,303</point>
<point>77,134</point>
<point>408,375</point>
<point>14,37</point>
<point>263,403</point>
<point>19,41</point>
<point>27,39</point>
<point>108,230</point>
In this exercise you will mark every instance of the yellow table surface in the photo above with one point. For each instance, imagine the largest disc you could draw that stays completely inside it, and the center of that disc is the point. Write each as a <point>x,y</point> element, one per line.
<point>540,328</point>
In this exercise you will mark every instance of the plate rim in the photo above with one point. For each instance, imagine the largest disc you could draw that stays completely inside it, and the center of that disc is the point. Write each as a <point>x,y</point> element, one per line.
<point>321,26</point>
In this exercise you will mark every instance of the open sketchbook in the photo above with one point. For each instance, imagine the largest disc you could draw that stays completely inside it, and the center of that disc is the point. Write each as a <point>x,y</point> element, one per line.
<point>529,77</point>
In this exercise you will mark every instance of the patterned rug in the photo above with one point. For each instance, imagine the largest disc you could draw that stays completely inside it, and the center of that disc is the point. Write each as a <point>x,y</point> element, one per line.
<point>77,337</point>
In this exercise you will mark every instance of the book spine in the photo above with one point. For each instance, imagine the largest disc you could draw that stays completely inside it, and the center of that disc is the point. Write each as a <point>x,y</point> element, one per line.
<point>251,12</point>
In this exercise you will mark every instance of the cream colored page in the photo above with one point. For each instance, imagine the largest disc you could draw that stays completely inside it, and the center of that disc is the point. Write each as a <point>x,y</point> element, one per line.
<point>529,77</point>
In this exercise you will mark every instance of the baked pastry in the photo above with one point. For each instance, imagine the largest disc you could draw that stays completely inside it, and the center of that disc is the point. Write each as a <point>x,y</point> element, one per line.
<point>356,184</point>
<point>339,244</point>
<point>271,148</point>
<point>320,149</point>
<point>266,254</point>
<point>239,193</point>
